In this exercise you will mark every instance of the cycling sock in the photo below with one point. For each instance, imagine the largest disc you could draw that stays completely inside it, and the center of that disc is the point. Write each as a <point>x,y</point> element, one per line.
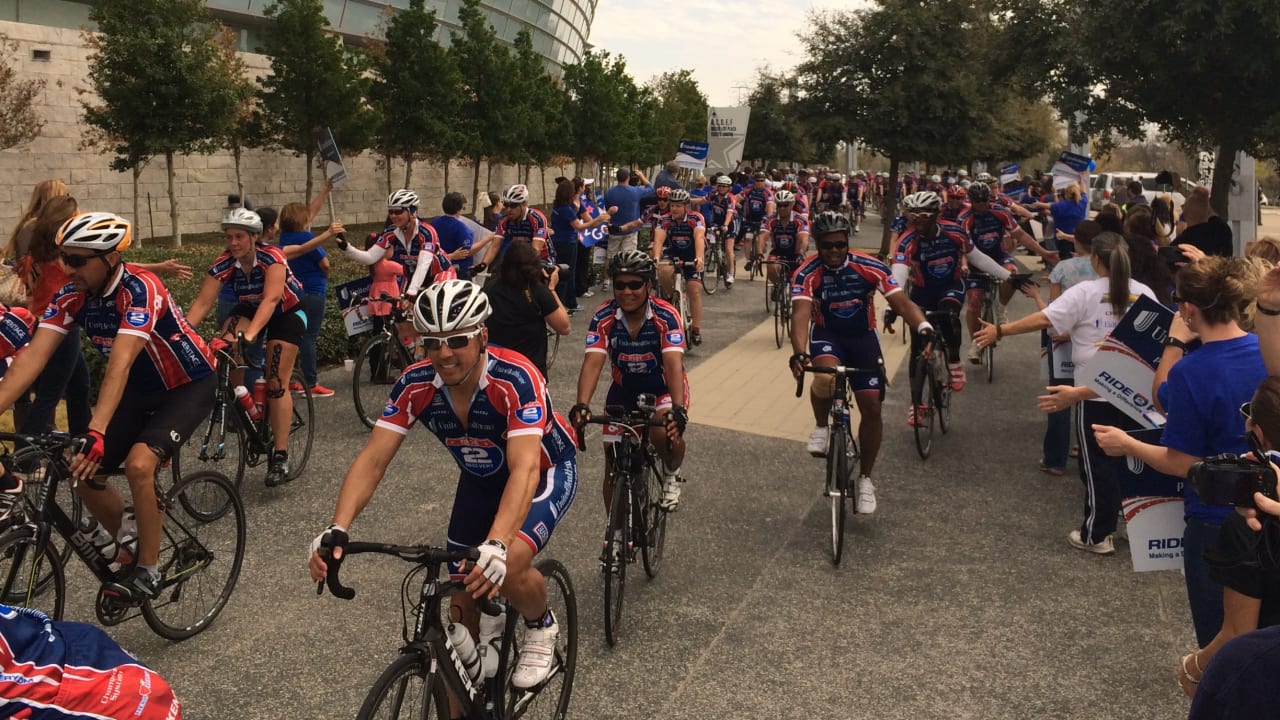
<point>152,570</point>
<point>542,622</point>
<point>279,456</point>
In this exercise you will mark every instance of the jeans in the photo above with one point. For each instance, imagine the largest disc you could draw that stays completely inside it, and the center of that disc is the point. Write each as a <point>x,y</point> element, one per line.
<point>1203,593</point>
<point>567,255</point>
<point>1057,432</point>
<point>65,375</point>
<point>313,308</point>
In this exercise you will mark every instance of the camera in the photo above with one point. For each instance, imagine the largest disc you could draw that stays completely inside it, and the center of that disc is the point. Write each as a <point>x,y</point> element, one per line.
<point>1232,480</point>
<point>1172,256</point>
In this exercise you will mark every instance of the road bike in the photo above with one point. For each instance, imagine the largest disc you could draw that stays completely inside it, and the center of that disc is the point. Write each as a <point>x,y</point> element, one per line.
<point>232,440</point>
<point>779,295</point>
<point>201,545</point>
<point>843,455</point>
<point>931,384</point>
<point>637,520</point>
<point>381,361</point>
<point>432,668</point>
<point>715,264</point>
<point>679,295</point>
<point>987,314</point>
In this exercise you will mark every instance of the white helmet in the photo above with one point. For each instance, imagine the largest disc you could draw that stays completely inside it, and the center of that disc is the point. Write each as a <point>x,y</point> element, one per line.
<point>986,177</point>
<point>925,200</point>
<point>784,197</point>
<point>239,217</point>
<point>98,231</point>
<point>450,305</point>
<point>402,200</point>
<point>515,195</point>
<point>962,173</point>
<point>935,178</point>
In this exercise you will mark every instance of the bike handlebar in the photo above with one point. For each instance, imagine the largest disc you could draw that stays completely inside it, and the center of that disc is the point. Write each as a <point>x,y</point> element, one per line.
<point>47,441</point>
<point>838,370</point>
<point>616,415</point>
<point>416,554</point>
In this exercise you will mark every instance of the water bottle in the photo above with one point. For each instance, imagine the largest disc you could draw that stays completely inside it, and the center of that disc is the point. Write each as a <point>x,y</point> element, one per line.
<point>491,630</point>
<point>127,537</point>
<point>260,394</point>
<point>246,402</point>
<point>102,541</point>
<point>462,642</point>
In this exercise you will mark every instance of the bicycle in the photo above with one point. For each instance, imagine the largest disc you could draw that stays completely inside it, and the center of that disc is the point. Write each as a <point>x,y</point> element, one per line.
<point>381,361</point>
<point>679,295</point>
<point>991,287</point>
<point>637,519</point>
<point>204,503</point>
<point>553,337</point>
<point>931,375</point>
<point>715,263</point>
<point>843,454</point>
<point>432,668</point>
<point>753,229</point>
<point>780,295</point>
<point>232,440</point>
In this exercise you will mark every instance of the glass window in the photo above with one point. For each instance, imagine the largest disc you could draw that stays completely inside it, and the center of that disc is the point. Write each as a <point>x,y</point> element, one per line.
<point>361,19</point>
<point>503,5</point>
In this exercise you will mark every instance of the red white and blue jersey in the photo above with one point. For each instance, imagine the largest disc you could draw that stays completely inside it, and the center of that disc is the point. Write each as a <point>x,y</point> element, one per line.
<point>249,287</point>
<point>532,225</point>
<point>936,260</point>
<point>988,230</point>
<point>17,325</point>
<point>407,253</point>
<point>832,193</point>
<point>856,189</point>
<point>785,236</point>
<point>954,215</point>
<point>652,216</point>
<point>844,298</point>
<point>511,400</point>
<point>136,303</point>
<point>755,203</point>
<point>637,361</point>
<point>802,204</point>
<point>679,242</point>
<point>73,671</point>
<point>723,209</point>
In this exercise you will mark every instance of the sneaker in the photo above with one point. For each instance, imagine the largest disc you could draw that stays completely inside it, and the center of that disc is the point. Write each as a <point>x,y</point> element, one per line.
<point>857,228</point>
<point>296,388</point>
<point>728,280</point>
<point>604,286</point>
<point>1002,314</point>
<point>537,654</point>
<point>671,483</point>
<point>277,472</point>
<point>1106,547</point>
<point>137,584</point>
<point>319,390</point>
<point>975,354</point>
<point>588,293</point>
<point>957,376</point>
<point>818,440</point>
<point>866,496</point>
<point>11,497</point>
<point>917,415</point>
<point>1050,470</point>
<point>695,336</point>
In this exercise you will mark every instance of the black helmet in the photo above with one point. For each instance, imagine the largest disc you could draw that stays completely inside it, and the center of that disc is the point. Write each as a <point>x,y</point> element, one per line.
<point>757,176</point>
<point>632,262</point>
<point>831,222</point>
<point>979,192</point>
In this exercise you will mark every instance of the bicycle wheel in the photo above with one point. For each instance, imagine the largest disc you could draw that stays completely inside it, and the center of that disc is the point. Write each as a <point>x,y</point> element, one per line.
<point>407,689</point>
<point>921,390</point>
<point>715,265</point>
<point>654,524</point>
<point>837,489</point>
<point>553,347</point>
<point>989,352</point>
<point>785,303</point>
<point>379,364</point>
<point>33,464</point>
<point>551,698</point>
<point>779,332</point>
<point>218,446</point>
<point>31,577</point>
<point>199,559</point>
<point>768,295</point>
<point>302,429</point>
<point>614,560</point>
<point>942,393</point>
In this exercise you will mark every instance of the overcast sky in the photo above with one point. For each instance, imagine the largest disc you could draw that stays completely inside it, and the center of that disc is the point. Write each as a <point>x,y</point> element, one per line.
<point>721,41</point>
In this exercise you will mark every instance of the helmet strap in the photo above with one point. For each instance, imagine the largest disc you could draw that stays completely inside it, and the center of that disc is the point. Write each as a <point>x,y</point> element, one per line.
<point>472,369</point>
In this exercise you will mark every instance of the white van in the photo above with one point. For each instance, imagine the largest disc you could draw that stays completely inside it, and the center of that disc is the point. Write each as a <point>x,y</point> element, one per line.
<point>1103,187</point>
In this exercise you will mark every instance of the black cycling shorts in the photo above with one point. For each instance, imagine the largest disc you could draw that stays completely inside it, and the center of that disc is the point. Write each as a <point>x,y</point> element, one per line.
<point>288,326</point>
<point>164,420</point>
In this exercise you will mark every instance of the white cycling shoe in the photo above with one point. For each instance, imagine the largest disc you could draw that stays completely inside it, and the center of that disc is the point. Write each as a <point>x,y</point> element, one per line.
<point>866,496</point>
<point>537,655</point>
<point>818,439</point>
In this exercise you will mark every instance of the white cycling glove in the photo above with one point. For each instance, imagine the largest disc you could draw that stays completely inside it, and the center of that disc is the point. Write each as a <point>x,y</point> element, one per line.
<point>493,561</point>
<point>315,544</point>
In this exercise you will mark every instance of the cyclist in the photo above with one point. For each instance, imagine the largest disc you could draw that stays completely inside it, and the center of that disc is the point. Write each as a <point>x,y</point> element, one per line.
<point>652,215</point>
<point>520,222</point>
<point>989,226</point>
<point>157,388</point>
<point>687,235</point>
<point>957,204</point>
<point>756,204</point>
<point>789,233</point>
<point>518,473</point>
<point>858,198</point>
<point>723,221</point>
<point>832,194</point>
<point>833,323</point>
<point>934,252</point>
<point>641,337</point>
<point>268,297</point>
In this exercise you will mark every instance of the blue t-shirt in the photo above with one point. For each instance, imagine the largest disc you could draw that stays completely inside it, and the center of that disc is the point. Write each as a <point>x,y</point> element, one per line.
<point>454,235</point>
<point>627,198</point>
<point>1067,214</point>
<point>1205,391</point>
<point>306,267</point>
<point>562,217</point>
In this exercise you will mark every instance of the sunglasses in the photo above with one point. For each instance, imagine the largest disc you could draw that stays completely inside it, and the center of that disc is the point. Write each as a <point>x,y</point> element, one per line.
<point>455,342</point>
<point>921,215</point>
<point>629,284</point>
<point>78,261</point>
<point>1246,411</point>
<point>833,246</point>
<point>397,211</point>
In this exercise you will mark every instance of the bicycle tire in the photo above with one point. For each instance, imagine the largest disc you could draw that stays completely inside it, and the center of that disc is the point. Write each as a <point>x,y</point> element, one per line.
<point>562,600</point>
<point>837,490</point>
<point>779,332</point>
<point>393,687</point>
<point>23,578</point>
<point>614,568</point>
<point>218,445</point>
<point>383,367</point>
<point>989,352</point>
<point>714,266</point>
<point>301,427</point>
<point>921,388</point>
<point>654,524</point>
<point>553,347</point>
<point>27,461</point>
<point>942,395</point>
<point>786,312</point>
<point>185,561</point>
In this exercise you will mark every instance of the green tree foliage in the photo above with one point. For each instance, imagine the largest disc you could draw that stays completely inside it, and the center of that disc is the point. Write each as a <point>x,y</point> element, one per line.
<point>600,113</point>
<point>19,121</point>
<point>245,130</point>
<point>315,82</point>
<point>416,88</point>
<point>683,109</point>
<point>485,128</point>
<point>154,65</point>
<point>780,131</point>
<point>544,134</point>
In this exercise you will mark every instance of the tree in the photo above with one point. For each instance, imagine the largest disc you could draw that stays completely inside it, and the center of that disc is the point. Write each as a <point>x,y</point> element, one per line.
<point>599,113</point>
<point>683,109</point>
<point>545,134</point>
<point>484,129</point>
<point>776,131</point>
<point>416,87</point>
<point>154,65</point>
<point>245,129</point>
<point>19,121</point>
<point>315,82</point>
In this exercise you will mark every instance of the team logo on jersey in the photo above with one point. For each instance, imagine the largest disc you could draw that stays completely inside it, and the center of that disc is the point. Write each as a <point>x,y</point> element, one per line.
<point>49,312</point>
<point>530,414</point>
<point>846,308</point>
<point>797,289</point>
<point>593,338</point>
<point>390,410</point>
<point>675,338</point>
<point>137,318</point>
<point>542,532</point>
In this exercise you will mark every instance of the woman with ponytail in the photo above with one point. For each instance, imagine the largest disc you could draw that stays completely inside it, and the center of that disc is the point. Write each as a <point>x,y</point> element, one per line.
<point>1087,312</point>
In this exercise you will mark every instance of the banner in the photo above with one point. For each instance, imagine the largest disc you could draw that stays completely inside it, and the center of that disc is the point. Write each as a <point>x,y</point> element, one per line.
<point>1009,173</point>
<point>355,314</point>
<point>692,154</point>
<point>1124,368</point>
<point>1153,512</point>
<point>1068,169</point>
<point>1056,364</point>
<point>726,135</point>
<point>593,236</point>
<point>333,167</point>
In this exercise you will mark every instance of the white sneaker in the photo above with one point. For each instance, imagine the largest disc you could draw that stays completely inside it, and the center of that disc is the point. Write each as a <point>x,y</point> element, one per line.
<point>537,656</point>
<point>1002,314</point>
<point>1106,547</point>
<point>671,483</point>
<point>975,354</point>
<point>728,280</point>
<point>866,496</point>
<point>605,286</point>
<point>818,441</point>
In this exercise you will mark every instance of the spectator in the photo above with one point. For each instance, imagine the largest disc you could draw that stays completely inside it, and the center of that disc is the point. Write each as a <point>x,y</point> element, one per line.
<point>523,304</point>
<point>20,238</point>
<point>1205,230</point>
<point>590,203</point>
<point>1139,222</point>
<point>456,238</point>
<point>310,265</point>
<point>1162,217</point>
<point>1067,212</point>
<point>626,219</point>
<point>667,176</point>
<point>1266,248</point>
<point>1136,197</point>
<point>1148,268</point>
<point>1200,392</point>
<point>493,212</point>
<point>568,218</point>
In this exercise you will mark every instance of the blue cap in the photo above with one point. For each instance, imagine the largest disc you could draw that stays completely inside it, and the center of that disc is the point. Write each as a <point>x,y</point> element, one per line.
<point>736,189</point>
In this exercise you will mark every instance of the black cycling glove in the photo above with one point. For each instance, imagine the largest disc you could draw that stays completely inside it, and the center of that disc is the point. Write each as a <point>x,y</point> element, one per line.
<point>680,416</point>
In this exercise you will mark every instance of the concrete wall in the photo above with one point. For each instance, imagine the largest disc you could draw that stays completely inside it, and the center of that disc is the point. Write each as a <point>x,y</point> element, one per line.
<point>202,181</point>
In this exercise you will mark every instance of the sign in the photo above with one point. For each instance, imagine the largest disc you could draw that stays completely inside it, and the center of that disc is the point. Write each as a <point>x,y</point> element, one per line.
<point>593,236</point>
<point>692,155</point>
<point>726,136</point>
<point>1153,512</point>
<point>1068,169</point>
<point>1009,174</point>
<point>333,167</point>
<point>1124,368</point>
<point>355,315</point>
<point>1056,365</point>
